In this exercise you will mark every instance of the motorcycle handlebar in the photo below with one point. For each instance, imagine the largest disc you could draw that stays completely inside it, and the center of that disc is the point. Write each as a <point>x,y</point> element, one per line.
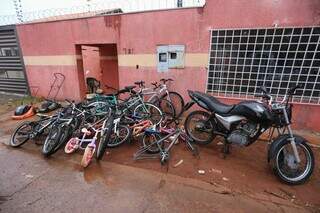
<point>293,89</point>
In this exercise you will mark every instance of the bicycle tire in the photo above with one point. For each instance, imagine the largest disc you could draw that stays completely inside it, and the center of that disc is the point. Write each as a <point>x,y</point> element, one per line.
<point>178,104</point>
<point>52,140</point>
<point>104,139</point>
<point>14,134</point>
<point>155,121</point>
<point>113,137</point>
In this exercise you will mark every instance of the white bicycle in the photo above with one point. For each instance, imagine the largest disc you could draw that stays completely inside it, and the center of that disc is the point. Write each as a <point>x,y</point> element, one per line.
<point>160,91</point>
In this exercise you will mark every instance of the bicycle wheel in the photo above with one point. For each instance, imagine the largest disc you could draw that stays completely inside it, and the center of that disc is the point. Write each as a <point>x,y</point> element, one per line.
<point>64,137</point>
<point>177,102</point>
<point>148,142</point>
<point>87,156</point>
<point>148,111</point>
<point>71,146</point>
<point>168,110</point>
<point>119,137</point>
<point>21,134</point>
<point>51,141</point>
<point>105,138</point>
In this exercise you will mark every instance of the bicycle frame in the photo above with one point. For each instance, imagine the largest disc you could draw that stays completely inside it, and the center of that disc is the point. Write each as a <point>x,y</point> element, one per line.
<point>50,119</point>
<point>155,92</point>
<point>91,141</point>
<point>139,154</point>
<point>139,127</point>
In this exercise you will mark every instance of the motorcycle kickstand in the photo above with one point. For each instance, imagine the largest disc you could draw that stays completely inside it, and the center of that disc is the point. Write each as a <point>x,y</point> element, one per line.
<point>225,149</point>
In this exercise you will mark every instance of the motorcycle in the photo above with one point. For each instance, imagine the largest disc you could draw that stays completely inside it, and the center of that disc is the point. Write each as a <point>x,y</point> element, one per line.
<point>289,155</point>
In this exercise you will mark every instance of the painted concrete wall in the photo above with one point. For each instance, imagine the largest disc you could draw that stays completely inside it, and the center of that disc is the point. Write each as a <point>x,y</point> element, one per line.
<point>52,46</point>
<point>91,62</point>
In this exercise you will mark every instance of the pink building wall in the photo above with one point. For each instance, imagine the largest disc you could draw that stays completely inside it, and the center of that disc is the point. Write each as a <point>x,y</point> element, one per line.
<point>142,32</point>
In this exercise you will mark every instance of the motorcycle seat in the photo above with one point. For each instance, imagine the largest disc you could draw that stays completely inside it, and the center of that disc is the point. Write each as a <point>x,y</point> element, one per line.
<point>213,103</point>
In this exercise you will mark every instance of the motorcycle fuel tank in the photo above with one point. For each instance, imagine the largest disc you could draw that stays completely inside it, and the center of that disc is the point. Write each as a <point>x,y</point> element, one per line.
<point>253,111</point>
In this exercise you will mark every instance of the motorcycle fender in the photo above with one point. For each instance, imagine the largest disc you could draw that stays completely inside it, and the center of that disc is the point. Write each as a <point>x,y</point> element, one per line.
<point>279,140</point>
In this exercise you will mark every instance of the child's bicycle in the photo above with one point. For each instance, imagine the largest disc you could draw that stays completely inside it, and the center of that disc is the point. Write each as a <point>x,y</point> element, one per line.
<point>87,142</point>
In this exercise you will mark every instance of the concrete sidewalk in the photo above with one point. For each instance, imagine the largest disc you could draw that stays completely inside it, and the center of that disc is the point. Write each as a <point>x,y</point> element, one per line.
<point>30,183</point>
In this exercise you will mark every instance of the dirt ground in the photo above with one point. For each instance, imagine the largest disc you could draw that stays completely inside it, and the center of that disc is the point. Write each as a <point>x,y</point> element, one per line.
<point>245,172</point>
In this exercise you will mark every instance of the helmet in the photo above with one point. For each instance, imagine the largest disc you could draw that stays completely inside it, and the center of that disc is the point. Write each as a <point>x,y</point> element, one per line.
<point>20,110</point>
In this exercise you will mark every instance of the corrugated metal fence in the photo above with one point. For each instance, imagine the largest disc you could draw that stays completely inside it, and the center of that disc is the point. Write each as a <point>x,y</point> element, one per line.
<point>12,73</point>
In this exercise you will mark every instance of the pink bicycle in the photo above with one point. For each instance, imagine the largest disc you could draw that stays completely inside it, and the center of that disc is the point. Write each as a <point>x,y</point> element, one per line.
<point>88,140</point>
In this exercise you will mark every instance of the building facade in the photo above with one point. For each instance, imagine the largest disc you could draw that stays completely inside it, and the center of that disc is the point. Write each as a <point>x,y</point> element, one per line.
<point>205,48</point>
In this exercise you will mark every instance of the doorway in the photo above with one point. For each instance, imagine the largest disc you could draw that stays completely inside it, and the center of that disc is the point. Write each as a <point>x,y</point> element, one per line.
<point>98,63</point>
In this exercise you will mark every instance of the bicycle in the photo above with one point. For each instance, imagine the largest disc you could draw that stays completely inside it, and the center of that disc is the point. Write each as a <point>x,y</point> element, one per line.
<point>160,92</point>
<point>89,144</point>
<point>154,145</point>
<point>31,129</point>
<point>119,135</point>
<point>65,126</point>
<point>134,106</point>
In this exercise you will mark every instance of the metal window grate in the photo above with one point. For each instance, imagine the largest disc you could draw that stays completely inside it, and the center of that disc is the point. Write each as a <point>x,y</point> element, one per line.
<point>243,59</point>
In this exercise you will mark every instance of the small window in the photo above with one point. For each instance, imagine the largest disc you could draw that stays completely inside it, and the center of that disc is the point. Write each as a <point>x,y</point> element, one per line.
<point>173,55</point>
<point>162,57</point>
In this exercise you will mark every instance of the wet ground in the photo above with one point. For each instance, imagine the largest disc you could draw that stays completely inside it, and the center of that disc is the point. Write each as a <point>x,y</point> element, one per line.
<point>242,182</point>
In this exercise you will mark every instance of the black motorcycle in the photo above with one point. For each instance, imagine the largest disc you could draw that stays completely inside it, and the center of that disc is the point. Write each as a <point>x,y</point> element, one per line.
<point>289,155</point>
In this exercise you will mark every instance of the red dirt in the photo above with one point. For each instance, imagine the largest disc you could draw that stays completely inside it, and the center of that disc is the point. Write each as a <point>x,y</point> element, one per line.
<point>246,170</point>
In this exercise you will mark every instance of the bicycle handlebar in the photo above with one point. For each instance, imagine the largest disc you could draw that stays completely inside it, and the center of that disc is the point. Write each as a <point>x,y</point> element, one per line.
<point>163,80</point>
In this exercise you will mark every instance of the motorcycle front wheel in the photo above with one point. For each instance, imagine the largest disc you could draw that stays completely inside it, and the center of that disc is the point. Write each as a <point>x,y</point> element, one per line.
<point>284,163</point>
<point>199,127</point>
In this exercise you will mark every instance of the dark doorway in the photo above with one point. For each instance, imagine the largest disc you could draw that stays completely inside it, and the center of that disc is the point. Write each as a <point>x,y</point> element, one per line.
<point>99,62</point>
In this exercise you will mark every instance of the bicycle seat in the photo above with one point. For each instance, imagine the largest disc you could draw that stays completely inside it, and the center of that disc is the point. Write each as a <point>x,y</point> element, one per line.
<point>151,131</point>
<point>129,87</point>
<point>85,131</point>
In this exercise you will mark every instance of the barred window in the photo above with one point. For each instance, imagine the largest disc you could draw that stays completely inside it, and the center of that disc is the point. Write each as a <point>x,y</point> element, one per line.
<point>241,60</point>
